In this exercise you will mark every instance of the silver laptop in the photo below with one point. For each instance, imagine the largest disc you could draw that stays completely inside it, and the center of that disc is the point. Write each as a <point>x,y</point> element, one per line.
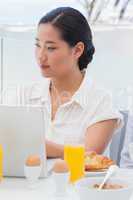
<point>22,134</point>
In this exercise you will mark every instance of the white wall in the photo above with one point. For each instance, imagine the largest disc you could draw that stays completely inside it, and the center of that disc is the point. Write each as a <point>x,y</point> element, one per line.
<point>113,61</point>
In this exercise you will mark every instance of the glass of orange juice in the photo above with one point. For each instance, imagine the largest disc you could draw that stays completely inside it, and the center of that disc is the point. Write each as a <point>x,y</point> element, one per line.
<point>1,162</point>
<point>74,153</point>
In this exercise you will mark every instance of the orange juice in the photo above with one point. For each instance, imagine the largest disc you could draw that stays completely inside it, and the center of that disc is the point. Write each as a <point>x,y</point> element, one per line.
<point>1,162</point>
<point>74,156</point>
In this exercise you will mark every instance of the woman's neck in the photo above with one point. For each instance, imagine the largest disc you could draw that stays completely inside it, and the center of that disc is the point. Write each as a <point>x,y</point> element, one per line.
<point>70,83</point>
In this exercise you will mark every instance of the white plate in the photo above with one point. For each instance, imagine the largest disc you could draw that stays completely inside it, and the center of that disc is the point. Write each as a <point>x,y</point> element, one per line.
<point>96,173</point>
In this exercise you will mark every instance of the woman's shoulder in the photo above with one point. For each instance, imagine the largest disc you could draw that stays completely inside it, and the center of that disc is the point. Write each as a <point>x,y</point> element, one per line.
<point>92,93</point>
<point>98,91</point>
<point>101,104</point>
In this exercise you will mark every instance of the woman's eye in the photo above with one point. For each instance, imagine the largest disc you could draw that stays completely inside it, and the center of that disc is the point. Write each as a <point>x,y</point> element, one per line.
<point>51,48</point>
<point>37,45</point>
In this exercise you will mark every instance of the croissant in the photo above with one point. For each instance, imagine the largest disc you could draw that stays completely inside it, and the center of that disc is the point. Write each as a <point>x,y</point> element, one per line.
<point>95,162</point>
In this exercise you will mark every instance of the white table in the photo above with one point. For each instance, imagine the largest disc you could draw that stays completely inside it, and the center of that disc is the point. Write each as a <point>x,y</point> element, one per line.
<point>17,188</point>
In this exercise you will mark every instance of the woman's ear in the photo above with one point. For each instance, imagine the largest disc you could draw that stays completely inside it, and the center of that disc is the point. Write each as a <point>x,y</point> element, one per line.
<point>78,49</point>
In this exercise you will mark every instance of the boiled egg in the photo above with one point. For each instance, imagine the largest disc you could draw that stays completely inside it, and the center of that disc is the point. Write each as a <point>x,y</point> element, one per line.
<point>60,166</point>
<point>33,160</point>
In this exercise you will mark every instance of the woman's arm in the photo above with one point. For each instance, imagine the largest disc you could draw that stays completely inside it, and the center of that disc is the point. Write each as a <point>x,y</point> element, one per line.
<point>96,139</point>
<point>54,150</point>
<point>98,135</point>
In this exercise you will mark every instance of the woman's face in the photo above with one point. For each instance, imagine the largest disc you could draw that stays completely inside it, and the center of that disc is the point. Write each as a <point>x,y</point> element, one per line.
<point>54,56</point>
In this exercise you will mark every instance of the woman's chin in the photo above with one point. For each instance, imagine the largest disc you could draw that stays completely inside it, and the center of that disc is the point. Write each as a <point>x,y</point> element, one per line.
<point>45,74</point>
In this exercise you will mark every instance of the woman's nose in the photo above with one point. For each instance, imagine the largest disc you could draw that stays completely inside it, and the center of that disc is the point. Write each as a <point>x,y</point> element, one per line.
<point>42,56</point>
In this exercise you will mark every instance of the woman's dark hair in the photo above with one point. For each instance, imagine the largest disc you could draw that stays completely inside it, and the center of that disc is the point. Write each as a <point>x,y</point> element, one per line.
<point>74,28</point>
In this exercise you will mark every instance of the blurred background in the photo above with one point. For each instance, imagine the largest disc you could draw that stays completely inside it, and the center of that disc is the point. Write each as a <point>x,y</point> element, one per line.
<point>112,26</point>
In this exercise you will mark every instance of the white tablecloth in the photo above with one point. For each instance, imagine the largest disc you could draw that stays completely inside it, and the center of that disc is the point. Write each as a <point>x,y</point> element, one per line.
<point>18,189</point>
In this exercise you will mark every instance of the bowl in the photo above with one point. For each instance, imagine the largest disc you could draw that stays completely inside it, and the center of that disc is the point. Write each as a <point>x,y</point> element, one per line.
<point>86,191</point>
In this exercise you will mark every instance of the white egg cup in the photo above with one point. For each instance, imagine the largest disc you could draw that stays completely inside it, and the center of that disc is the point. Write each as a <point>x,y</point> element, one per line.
<point>130,147</point>
<point>32,173</point>
<point>61,183</point>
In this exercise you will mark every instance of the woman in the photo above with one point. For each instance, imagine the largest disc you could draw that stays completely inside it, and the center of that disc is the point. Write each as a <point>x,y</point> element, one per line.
<point>73,103</point>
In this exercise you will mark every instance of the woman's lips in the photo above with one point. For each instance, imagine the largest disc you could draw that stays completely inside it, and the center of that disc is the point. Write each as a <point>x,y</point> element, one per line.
<point>44,66</point>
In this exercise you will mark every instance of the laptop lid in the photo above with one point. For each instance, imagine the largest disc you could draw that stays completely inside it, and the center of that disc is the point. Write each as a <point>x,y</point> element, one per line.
<point>21,134</point>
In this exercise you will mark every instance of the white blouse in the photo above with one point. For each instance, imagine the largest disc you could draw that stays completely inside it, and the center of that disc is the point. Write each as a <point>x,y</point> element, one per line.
<point>90,104</point>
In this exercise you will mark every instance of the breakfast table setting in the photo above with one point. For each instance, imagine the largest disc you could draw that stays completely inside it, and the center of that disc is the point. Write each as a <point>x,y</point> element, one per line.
<point>18,188</point>
<point>79,176</point>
